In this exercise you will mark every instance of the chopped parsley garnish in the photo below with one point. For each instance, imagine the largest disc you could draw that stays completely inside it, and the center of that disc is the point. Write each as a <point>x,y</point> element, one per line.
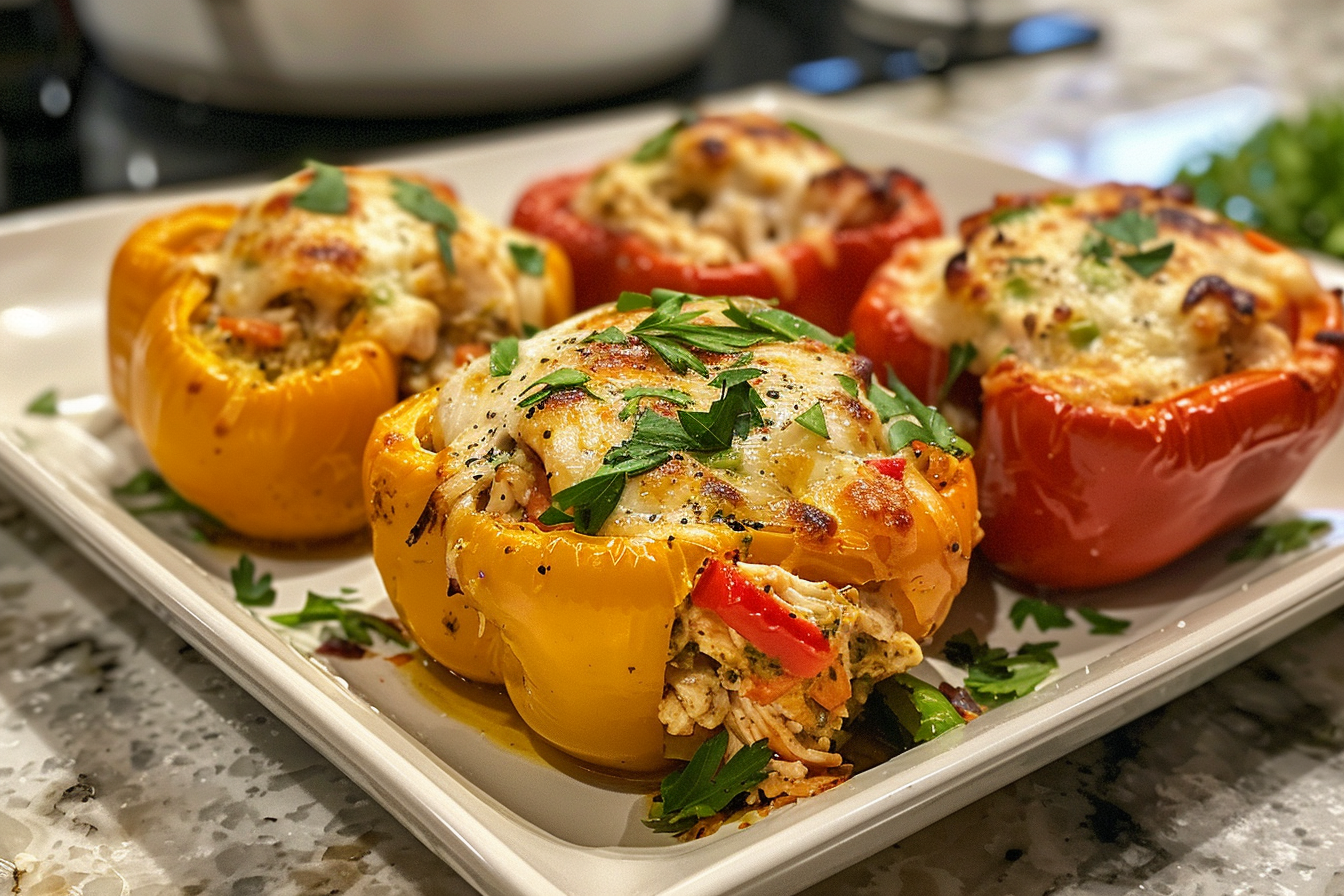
<point>849,384</point>
<point>813,420</point>
<point>611,336</point>
<point>1148,263</point>
<point>632,397</point>
<point>920,710</point>
<point>1018,288</point>
<point>959,357</point>
<point>734,375</point>
<point>504,356</point>
<point>1096,247</point>
<point>803,130</point>
<point>250,589</point>
<point>327,193</point>
<point>1101,623</point>
<point>993,676</point>
<point>707,784</point>
<point>557,381</point>
<point>147,492</point>
<point>44,404</point>
<point>1015,260</point>
<point>1045,614</point>
<point>1003,215</point>
<point>1133,229</point>
<point>356,625</point>
<point>1279,538</point>
<point>1083,333</point>
<point>529,259</point>
<point>657,146</point>
<point>786,327</point>
<point>899,404</point>
<point>652,443</point>
<point>420,201</point>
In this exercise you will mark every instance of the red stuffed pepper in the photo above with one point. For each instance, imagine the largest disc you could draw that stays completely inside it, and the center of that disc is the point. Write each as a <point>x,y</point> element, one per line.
<point>1149,375</point>
<point>742,205</point>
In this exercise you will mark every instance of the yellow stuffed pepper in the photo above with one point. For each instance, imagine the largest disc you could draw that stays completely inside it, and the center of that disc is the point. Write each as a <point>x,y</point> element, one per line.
<point>253,348</point>
<point>671,517</point>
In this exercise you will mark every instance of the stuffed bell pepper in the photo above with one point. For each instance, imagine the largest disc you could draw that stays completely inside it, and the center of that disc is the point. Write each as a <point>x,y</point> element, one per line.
<point>252,348</point>
<point>1144,374</point>
<point>741,205</point>
<point>671,517</point>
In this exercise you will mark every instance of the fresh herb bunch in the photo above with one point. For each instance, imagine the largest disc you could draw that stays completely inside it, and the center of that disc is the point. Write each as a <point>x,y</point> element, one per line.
<point>1286,181</point>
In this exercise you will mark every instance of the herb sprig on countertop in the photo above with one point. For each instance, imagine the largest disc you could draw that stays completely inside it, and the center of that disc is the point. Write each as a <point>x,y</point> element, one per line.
<point>707,784</point>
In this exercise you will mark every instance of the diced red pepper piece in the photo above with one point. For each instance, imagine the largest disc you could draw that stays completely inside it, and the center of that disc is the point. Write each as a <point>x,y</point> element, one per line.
<point>763,619</point>
<point>888,466</point>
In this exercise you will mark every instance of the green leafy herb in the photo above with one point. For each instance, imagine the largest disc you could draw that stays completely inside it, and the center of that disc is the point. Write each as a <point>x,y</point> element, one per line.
<point>356,625</point>
<point>1279,538</point>
<point>707,784</point>
<point>1015,260</point>
<point>959,357</point>
<point>993,676</point>
<point>632,397</point>
<point>1083,333</point>
<point>611,336</point>
<point>530,330</point>
<point>1004,215</point>
<point>1129,227</point>
<point>528,258</point>
<point>657,146</point>
<point>920,708</point>
<point>327,193</point>
<point>250,589</point>
<point>420,201</point>
<point>44,404</point>
<point>727,459</point>
<point>633,301</point>
<point>928,426</point>
<point>504,356</point>
<point>557,381</point>
<point>734,375</point>
<point>1149,262</point>
<point>813,420</point>
<point>1045,614</point>
<point>799,128</point>
<point>849,385</point>
<point>147,493</point>
<point>785,326</point>
<point>1096,247</point>
<point>1101,623</point>
<point>1018,288</point>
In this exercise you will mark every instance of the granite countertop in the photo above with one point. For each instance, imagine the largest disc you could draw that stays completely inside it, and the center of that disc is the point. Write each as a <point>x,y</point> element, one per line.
<point>129,764</point>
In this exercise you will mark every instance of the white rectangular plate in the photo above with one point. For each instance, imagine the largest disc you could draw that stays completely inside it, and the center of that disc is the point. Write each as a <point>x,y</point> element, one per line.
<point>510,820</point>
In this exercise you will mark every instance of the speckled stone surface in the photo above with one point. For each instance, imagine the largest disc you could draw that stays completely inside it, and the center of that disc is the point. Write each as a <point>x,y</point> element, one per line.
<point>128,764</point>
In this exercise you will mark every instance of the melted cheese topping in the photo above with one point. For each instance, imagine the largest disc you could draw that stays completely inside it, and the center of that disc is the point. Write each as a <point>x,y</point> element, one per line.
<point>730,189</point>
<point>377,258</point>
<point>788,477</point>
<point>1094,328</point>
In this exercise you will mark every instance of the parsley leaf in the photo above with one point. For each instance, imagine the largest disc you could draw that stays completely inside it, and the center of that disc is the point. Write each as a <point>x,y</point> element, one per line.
<point>1096,247</point>
<point>632,397</point>
<point>803,130</point>
<point>1101,623</point>
<point>960,356</point>
<point>928,425</point>
<point>632,301</point>
<point>707,784</point>
<point>44,404</point>
<point>529,259</point>
<point>133,495</point>
<point>504,356</point>
<point>993,676</point>
<point>1083,333</point>
<point>420,201</point>
<point>327,193</point>
<point>1004,215</point>
<point>1279,538</point>
<point>814,421</point>
<point>556,381</point>
<point>1148,263</point>
<point>1045,614</point>
<point>611,336</point>
<point>1129,227</point>
<point>785,326</point>
<point>355,624</point>
<point>920,708</point>
<point>657,146</point>
<point>250,589</point>
<point>849,384</point>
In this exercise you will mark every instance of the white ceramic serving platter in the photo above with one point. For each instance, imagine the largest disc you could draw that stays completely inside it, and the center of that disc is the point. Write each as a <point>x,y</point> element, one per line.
<point>505,812</point>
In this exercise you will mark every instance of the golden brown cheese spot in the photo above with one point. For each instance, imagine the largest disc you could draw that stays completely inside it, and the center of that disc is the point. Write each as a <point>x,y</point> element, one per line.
<point>1027,284</point>
<point>880,499</point>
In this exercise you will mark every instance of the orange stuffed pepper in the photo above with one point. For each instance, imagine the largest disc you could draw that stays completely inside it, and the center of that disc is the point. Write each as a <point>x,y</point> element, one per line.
<point>740,205</point>
<point>1144,375</point>
<point>654,523</point>
<point>252,348</point>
